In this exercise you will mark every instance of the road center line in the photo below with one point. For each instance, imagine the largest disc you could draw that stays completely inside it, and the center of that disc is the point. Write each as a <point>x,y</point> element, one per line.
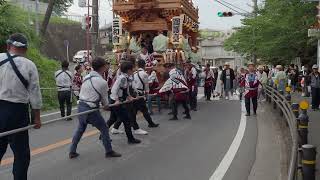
<point>44,149</point>
<point>224,165</point>
<point>56,145</point>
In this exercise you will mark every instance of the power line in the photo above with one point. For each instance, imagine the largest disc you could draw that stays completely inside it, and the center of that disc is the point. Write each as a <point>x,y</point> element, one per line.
<point>235,6</point>
<point>227,6</point>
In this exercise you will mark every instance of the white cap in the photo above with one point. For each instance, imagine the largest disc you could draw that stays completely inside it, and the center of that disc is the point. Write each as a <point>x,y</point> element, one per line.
<point>315,67</point>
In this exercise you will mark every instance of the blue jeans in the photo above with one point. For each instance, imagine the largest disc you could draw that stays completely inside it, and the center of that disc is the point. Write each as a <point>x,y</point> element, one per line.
<point>96,120</point>
<point>149,99</point>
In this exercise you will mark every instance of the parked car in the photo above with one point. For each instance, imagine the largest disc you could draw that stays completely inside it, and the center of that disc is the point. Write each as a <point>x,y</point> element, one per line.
<point>81,56</point>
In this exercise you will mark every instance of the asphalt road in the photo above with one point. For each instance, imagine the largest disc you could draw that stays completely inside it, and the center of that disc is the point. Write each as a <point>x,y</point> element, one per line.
<point>177,150</point>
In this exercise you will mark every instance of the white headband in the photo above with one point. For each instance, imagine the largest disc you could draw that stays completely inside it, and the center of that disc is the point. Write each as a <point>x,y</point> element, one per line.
<point>16,43</point>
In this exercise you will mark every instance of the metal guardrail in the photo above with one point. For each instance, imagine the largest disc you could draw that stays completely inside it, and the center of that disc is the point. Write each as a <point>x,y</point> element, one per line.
<point>288,113</point>
<point>64,118</point>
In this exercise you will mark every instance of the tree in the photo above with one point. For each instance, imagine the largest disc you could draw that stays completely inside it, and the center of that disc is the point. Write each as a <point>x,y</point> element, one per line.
<point>47,17</point>
<point>2,2</point>
<point>278,34</point>
<point>60,6</point>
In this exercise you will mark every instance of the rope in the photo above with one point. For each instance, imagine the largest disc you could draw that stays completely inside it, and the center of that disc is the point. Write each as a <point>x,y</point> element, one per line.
<point>64,118</point>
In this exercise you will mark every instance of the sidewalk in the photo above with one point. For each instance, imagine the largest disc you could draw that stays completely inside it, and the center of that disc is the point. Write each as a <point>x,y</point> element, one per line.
<point>314,128</point>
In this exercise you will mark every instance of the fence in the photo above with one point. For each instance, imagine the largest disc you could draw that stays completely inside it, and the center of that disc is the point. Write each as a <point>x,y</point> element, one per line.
<point>280,101</point>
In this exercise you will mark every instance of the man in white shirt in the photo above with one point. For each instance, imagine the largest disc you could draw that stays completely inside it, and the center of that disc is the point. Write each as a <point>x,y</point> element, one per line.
<point>64,79</point>
<point>148,58</point>
<point>94,91</point>
<point>19,86</point>
<point>119,93</point>
<point>141,86</point>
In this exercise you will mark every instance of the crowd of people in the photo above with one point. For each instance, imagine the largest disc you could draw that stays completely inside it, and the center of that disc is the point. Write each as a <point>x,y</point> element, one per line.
<point>98,85</point>
<point>225,82</point>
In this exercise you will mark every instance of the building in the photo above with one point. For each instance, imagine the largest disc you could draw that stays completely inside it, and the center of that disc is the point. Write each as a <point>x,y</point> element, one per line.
<point>105,39</point>
<point>213,52</point>
<point>105,34</point>
<point>30,6</point>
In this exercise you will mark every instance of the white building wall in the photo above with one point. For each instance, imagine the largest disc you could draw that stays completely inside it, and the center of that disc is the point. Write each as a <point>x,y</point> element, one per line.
<point>212,49</point>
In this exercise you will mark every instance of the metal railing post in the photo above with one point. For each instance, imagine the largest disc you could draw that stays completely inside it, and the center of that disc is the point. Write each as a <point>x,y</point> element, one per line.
<point>308,162</point>
<point>295,109</point>
<point>279,100</point>
<point>303,121</point>
<point>281,113</point>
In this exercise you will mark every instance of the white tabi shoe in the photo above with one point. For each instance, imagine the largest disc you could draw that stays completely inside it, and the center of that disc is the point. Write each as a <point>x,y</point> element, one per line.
<point>116,131</point>
<point>140,132</point>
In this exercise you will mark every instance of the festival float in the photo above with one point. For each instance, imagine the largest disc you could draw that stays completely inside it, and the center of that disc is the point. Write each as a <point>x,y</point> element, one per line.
<point>139,21</point>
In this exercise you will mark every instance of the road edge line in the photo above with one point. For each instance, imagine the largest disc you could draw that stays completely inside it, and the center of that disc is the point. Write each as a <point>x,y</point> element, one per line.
<point>224,165</point>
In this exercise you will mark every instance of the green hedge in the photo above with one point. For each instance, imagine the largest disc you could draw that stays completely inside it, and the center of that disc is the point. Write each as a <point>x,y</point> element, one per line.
<point>12,20</point>
<point>46,69</point>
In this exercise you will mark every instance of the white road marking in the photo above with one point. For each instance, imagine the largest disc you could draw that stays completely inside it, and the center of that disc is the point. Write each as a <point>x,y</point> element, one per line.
<point>232,98</point>
<point>224,165</point>
<point>54,113</point>
<point>200,96</point>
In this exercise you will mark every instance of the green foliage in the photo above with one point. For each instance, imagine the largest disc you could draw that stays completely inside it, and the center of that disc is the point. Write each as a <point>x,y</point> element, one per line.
<point>2,2</point>
<point>46,69</point>
<point>12,20</point>
<point>278,34</point>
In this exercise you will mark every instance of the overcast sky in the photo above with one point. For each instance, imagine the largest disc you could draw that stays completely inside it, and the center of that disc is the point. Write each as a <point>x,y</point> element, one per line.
<point>208,13</point>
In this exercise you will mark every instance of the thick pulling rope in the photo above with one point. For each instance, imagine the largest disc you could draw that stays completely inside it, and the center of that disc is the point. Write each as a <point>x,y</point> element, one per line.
<point>64,118</point>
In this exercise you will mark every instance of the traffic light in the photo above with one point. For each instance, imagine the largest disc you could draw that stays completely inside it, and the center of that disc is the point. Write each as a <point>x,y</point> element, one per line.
<point>225,14</point>
<point>88,22</point>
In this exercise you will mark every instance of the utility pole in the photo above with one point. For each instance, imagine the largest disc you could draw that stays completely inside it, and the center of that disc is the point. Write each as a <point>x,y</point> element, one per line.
<point>318,53</point>
<point>95,26</point>
<point>255,7</point>
<point>37,17</point>
<point>88,24</point>
<point>255,14</point>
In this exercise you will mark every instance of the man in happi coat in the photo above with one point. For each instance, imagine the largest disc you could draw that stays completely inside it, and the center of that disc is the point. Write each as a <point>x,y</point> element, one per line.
<point>177,85</point>
<point>252,84</point>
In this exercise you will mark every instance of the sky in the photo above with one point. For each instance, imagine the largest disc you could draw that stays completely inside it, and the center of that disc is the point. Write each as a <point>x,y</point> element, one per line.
<point>208,10</point>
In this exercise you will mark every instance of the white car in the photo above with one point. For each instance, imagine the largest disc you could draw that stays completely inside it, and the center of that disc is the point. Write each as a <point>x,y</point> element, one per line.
<point>81,56</point>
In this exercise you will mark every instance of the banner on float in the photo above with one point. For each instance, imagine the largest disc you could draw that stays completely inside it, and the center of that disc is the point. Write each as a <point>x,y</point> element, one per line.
<point>177,22</point>
<point>116,30</point>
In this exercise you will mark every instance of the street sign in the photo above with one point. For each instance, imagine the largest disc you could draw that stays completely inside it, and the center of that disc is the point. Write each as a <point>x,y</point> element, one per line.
<point>66,43</point>
<point>313,32</point>
<point>82,3</point>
